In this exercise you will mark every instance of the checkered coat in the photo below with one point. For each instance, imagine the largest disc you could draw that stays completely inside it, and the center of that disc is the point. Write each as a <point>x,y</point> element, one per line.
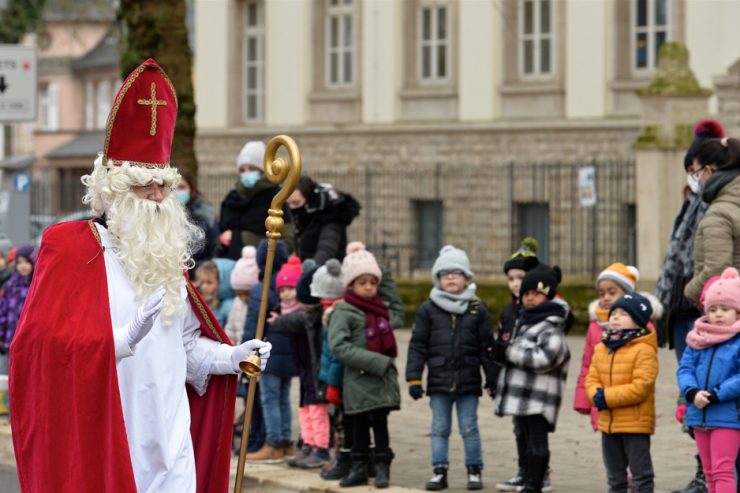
<point>532,380</point>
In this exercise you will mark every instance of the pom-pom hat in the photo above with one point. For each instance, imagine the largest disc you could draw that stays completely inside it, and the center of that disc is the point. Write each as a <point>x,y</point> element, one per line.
<point>328,281</point>
<point>245,275</point>
<point>142,121</point>
<point>451,258</point>
<point>725,291</point>
<point>358,262</point>
<point>525,258</point>
<point>704,130</point>
<point>626,276</point>
<point>289,274</point>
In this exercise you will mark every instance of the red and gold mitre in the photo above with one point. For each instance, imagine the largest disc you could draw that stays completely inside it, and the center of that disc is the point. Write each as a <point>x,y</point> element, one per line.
<point>142,121</point>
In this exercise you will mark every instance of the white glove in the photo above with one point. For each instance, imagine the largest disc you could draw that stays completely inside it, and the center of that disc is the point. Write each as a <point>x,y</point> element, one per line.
<point>143,321</point>
<point>242,351</point>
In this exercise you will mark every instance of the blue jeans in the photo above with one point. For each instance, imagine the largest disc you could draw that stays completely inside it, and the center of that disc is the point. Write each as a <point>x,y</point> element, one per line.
<point>275,398</point>
<point>467,422</point>
<point>681,327</point>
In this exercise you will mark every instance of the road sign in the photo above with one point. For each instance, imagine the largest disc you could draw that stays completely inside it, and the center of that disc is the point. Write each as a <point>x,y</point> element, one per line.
<point>17,83</point>
<point>21,182</point>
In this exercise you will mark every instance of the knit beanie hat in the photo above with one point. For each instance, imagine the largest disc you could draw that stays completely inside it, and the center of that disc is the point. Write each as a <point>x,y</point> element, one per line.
<point>281,256</point>
<point>26,251</point>
<point>253,154</point>
<point>704,130</point>
<point>289,274</point>
<point>725,291</point>
<point>626,276</point>
<point>359,262</point>
<point>638,307</point>
<point>245,274</point>
<point>328,282</point>
<point>451,258</point>
<point>303,288</point>
<point>525,258</point>
<point>543,279</point>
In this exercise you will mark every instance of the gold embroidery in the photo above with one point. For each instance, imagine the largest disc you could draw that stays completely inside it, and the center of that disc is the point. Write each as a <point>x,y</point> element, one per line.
<point>203,312</point>
<point>96,234</point>
<point>154,102</point>
<point>139,164</point>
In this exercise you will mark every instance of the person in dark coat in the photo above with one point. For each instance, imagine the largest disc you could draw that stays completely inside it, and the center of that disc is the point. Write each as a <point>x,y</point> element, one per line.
<point>322,215</point>
<point>13,300</point>
<point>244,209</point>
<point>453,336</point>
<point>201,213</point>
<point>275,382</point>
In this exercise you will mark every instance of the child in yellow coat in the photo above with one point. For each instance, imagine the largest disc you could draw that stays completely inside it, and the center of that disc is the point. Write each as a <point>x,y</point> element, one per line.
<point>621,384</point>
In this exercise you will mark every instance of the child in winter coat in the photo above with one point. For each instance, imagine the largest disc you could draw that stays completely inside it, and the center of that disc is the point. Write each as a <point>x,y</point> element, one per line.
<point>522,261</point>
<point>361,337</point>
<point>13,300</point>
<point>612,283</point>
<point>208,284</point>
<point>453,336</point>
<point>244,277</point>
<point>536,356</point>
<point>621,385</point>
<point>709,377</point>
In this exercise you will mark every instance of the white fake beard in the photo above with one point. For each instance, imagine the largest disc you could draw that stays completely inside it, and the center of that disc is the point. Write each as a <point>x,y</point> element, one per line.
<point>154,242</point>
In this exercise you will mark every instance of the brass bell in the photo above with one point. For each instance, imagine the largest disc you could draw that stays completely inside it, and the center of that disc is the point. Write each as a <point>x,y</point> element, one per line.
<point>252,366</point>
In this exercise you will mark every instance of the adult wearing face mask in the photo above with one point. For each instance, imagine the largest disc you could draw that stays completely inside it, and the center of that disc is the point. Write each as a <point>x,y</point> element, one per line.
<point>201,213</point>
<point>244,210</point>
<point>322,215</point>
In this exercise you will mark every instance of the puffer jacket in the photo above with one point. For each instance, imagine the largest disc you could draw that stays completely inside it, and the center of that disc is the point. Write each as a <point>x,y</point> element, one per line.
<point>714,368</point>
<point>717,241</point>
<point>370,378</point>
<point>627,376</point>
<point>454,347</point>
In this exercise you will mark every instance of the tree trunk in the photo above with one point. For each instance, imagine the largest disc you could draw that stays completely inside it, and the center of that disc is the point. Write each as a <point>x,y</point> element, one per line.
<point>157,29</point>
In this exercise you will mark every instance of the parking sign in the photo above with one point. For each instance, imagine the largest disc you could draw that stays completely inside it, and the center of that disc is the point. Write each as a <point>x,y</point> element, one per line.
<point>18,66</point>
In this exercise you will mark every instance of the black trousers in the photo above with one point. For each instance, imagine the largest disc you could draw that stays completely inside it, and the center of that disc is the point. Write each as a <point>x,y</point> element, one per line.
<point>534,434</point>
<point>621,450</point>
<point>362,423</point>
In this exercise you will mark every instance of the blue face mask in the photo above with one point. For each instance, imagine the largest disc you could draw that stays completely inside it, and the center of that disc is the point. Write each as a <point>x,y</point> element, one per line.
<point>249,178</point>
<point>183,196</point>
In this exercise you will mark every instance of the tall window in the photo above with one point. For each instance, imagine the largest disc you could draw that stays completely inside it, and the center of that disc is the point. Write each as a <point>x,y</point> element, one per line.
<point>434,42</point>
<point>49,108</point>
<point>534,221</point>
<point>340,42</point>
<point>651,28</point>
<point>89,105</point>
<point>429,234</point>
<point>104,99</point>
<point>254,60</point>
<point>536,35</point>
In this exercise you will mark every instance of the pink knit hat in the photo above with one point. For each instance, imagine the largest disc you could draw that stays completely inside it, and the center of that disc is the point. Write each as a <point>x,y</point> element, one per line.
<point>289,273</point>
<point>725,291</point>
<point>245,274</point>
<point>359,262</point>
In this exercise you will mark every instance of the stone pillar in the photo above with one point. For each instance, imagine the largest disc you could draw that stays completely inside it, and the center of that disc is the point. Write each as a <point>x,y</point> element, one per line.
<point>669,108</point>
<point>728,98</point>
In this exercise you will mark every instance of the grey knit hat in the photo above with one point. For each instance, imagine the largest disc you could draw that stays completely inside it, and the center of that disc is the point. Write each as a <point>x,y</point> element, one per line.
<point>451,258</point>
<point>328,282</point>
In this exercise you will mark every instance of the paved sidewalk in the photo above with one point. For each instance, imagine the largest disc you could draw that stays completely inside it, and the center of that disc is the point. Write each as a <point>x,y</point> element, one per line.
<point>576,453</point>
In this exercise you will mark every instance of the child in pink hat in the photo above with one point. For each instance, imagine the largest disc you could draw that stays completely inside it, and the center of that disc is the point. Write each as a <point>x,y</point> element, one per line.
<point>709,378</point>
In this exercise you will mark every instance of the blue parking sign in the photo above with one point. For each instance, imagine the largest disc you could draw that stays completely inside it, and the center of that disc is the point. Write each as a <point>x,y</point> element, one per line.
<point>22,182</point>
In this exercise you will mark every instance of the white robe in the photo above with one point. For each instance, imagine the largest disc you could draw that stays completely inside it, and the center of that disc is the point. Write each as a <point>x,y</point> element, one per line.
<point>151,380</point>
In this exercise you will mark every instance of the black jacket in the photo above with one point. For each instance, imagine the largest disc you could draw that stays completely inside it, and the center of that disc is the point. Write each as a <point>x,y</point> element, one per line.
<point>454,347</point>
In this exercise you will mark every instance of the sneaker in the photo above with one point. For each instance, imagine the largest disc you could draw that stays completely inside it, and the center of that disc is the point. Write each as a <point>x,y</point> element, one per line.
<point>514,484</point>
<point>439,480</point>
<point>474,478</point>
<point>546,486</point>
<point>302,454</point>
<point>267,455</point>
<point>697,485</point>
<point>317,458</point>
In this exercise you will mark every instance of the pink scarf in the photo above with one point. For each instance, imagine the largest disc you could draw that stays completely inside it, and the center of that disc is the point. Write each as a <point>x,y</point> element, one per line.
<point>286,308</point>
<point>704,334</point>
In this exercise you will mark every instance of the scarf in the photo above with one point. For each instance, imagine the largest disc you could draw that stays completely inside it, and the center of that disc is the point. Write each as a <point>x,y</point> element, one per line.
<point>378,331</point>
<point>540,312</point>
<point>602,316</point>
<point>614,339</point>
<point>11,306</point>
<point>705,334</point>
<point>717,182</point>
<point>286,308</point>
<point>678,266</point>
<point>453,303</point>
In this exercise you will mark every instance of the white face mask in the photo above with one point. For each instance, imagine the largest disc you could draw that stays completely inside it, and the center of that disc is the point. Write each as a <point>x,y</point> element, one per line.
<point>694,184</point>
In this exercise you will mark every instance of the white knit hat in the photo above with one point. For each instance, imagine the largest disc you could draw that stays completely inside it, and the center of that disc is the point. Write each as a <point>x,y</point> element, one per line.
<point>253,153</point>
<point>359,262</point>
<point>245,274</point>
<point>328,282</point>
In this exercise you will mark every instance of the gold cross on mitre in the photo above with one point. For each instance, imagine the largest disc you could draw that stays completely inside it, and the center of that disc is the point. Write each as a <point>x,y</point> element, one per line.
<point>154,102</point>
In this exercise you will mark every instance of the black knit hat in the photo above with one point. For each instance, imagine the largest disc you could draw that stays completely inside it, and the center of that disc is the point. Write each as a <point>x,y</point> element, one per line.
<point>704,130</point>
<point>525,258</point>
<point>543,279</point>
<point>303,288</point>
<point>638,307</point>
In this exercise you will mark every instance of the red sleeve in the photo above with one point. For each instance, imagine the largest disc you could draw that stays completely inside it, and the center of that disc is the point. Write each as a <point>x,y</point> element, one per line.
<point>593,337</point>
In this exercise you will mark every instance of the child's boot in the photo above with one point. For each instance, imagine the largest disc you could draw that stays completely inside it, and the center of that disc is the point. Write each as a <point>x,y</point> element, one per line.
<point>305,451</point>
<point>475,482</point>
<point>439,480</point>
<point>699,483</point>
<point>371,462</point>
<point>536,470</point>
<point>317,458</point>
<point>358,471</point>
<point>340,469</point>
<point>383,459</point>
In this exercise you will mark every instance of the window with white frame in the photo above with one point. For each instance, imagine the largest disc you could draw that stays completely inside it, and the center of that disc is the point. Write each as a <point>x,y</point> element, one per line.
<point>536,35</point>
<point>49,108</point>
<point>340,44</point>
<point>434,41</point>
<point>651,28</point>
<point>103,103</point>
<point>89,105</point>
<point>254,65</point>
